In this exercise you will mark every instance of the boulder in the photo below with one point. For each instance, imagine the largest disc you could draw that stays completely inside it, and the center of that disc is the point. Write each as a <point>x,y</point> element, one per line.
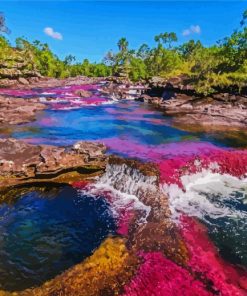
<point>83,93</point>
<point>20,160</point>
<point>23,80</point>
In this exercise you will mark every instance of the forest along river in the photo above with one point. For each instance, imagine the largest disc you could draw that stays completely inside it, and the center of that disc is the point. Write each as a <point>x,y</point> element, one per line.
<point>203,175</point>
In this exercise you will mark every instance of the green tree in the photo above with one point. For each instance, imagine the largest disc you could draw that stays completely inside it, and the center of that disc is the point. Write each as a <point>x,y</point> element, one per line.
<point>188,48</point>
<point>166,38</point>
<point>123,44</point>
<point>3,27</point>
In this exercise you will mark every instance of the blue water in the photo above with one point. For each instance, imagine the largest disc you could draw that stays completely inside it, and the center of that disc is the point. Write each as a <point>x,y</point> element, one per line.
<point>45,232</point>
<point>229,233</point>
<point>126,120</point>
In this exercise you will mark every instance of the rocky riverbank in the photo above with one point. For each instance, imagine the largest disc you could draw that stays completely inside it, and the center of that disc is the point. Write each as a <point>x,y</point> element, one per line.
<point>21,103</point>
<point>21,162</point>
<point>18,111</point>
<point>46,82</point>
<point>178,98</point>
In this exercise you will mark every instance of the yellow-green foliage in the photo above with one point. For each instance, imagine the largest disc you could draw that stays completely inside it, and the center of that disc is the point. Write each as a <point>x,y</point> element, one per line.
<point>219,66</point>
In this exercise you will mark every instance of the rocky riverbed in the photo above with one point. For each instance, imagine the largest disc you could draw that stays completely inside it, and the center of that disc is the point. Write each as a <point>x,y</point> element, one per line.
<point>178,98</point>
<point>141,207</point>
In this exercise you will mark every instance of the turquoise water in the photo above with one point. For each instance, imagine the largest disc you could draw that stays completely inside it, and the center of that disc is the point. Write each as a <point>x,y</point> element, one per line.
<point>128,120</point>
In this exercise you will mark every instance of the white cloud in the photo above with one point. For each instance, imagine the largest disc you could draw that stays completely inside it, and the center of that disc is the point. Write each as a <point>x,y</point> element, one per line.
<point>50,32</point>
<point>192,30</point>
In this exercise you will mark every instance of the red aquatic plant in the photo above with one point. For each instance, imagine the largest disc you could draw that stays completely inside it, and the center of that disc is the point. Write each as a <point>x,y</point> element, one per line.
<point>160,276</point>
<point>206,262</point>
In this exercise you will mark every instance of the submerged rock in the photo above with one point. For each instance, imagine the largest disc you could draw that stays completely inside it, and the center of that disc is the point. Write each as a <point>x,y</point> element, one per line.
<point>104,273</point>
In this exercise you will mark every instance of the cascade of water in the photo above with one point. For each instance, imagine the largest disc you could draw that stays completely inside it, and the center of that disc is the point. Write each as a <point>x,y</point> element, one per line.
<point>126,185</point>
<point>127,179</point>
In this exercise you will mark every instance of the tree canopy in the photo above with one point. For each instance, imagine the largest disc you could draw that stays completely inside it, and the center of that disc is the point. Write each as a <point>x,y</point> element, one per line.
<point>223,65</point>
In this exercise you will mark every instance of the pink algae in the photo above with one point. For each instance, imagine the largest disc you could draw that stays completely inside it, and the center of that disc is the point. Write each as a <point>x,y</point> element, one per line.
<point>124,219</point>
<point>205,260</point>
<point>161,277</point>
<point>80,184</point>
<point>155,153</point>
<point>60,98</point>
<point>232,162</point>
<point>205,273</point>
<point>177,159</point>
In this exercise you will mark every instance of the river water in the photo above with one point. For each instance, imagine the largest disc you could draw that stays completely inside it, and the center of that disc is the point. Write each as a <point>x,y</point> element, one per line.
<point>209,191</point>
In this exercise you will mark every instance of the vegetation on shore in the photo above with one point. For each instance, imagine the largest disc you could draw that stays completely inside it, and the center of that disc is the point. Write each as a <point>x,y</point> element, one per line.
<point>223,65</point>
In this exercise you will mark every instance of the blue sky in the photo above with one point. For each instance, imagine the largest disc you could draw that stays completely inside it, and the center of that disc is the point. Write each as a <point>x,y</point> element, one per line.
<point>89,29</point>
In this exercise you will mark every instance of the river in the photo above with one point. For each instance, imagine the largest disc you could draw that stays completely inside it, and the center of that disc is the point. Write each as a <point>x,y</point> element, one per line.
<point>207,198</point>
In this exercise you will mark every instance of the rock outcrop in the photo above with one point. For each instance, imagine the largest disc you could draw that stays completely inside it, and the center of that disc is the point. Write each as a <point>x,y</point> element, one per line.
<point>178,98</point>
<point>14,71</point>
<point>18,110</point>
<point>121,88</point>
<point>83,93</point>
<point>21,162</point>
<point>158,232</point>
<point>213,112</point>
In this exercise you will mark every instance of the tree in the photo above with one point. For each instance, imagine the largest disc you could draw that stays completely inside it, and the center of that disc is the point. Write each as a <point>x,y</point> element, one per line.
<point>109,58</point>
<point>69,59</point>
<point>166,38</point>
<point>3,27</point>
<point>244,18</point>
<point>123,44</point>
<point>188,48</point>
<point>143,52</point>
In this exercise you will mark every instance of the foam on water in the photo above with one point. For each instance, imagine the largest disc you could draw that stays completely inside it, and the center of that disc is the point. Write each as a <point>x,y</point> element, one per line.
<point>123,185</point>
<point>205,194</point>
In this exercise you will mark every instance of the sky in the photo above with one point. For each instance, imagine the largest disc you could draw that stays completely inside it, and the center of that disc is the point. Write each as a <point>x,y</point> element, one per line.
<point>88,29</point>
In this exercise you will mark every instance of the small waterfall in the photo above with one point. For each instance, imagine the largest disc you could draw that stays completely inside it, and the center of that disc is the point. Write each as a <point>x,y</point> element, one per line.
<point>133,186</point>
<point>127,179</point>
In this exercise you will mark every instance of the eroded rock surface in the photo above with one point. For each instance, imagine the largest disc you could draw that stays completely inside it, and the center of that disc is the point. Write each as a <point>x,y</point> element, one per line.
<point>19,160</point>
<point>18,110</point>
<point>207,111</point>
<point>121,89</point>
<point>178,98</point>
<point>156,232</point>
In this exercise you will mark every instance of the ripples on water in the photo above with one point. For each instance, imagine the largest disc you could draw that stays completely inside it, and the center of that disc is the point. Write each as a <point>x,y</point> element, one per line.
<point>44,232</point>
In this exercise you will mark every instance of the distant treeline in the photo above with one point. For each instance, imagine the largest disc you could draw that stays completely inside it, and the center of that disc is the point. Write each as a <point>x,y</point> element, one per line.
<point>219,66</point>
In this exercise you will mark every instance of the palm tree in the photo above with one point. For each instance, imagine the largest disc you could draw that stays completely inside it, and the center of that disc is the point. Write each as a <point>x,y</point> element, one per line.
<point>123,44</point>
